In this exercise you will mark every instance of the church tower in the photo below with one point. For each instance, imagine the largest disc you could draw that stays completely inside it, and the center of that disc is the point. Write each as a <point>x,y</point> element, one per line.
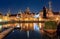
<point>20,13</point>
<point>27,10</point>
<point>50,13</point>
<point>50,6</point>
<point>8,13</point>
<point>44,12</point>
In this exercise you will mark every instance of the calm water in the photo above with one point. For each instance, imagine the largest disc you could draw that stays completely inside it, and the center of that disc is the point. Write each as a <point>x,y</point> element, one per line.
<point>17,34</point>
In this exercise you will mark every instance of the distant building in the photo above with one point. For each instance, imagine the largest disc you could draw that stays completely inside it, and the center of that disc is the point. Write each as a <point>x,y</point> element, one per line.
<point>46,14</point>
<point>50,14</point>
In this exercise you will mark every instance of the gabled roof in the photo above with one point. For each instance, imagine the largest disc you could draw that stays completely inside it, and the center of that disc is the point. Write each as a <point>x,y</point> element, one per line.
<point>56,13</point>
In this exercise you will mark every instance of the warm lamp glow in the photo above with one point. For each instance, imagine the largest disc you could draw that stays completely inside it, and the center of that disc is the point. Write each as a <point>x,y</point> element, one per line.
<point>18,25</point>
<point>57,18</point>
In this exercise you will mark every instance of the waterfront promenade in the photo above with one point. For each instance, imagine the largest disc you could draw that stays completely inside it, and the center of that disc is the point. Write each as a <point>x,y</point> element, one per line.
<point>4,33</point>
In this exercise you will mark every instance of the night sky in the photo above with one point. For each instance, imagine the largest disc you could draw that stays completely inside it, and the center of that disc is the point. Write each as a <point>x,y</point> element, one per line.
<point>34,5</point>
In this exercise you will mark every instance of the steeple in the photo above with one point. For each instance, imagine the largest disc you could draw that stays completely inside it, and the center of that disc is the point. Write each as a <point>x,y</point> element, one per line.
<point>50,6</point>
<point>20,12</point>
<point>27,10</point>
<point>50,13</point>
<point>8,13</point>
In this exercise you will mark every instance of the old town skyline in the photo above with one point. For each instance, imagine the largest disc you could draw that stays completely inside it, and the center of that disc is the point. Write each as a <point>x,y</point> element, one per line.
<point>34,5</point>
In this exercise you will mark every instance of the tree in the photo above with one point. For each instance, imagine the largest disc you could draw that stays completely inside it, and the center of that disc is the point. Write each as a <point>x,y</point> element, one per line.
<point>50,25</point>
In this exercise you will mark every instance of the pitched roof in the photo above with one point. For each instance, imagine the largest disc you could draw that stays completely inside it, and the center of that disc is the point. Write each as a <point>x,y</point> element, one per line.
<point>56,13</point>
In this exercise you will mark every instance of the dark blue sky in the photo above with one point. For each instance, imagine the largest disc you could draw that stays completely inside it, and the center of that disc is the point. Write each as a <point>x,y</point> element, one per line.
<point>34,5</point>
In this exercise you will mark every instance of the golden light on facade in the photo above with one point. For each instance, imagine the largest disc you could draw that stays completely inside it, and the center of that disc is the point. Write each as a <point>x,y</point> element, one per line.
<point>35,19</point>
<point>57,19</point>
<point>5,18</point>
<point>29,17</point>
<point>30,24</point>
<point>40,23</point>
<point>26,19</point>
<point>25,24</point>
<point>21,24</point>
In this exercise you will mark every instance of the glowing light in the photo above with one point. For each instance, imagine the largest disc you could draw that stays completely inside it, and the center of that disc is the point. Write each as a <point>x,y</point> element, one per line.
<point>28,34</point>
<point>36,16</point>
<point>57,18</point>
<point>17,16</point>
<point>36,28</point>
<point>40,25</point>
<point>26,24</point>
<point>18,25</point>
<point>26,19</point>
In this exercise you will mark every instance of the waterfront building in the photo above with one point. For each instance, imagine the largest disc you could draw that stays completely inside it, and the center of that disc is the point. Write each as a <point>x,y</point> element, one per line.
<point>47,14</point>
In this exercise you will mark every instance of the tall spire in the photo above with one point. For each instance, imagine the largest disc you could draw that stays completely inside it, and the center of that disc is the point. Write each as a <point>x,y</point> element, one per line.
<point>8,13</point>
<point>50,6</point>
<point>19,12</point>
<point>44,12</point>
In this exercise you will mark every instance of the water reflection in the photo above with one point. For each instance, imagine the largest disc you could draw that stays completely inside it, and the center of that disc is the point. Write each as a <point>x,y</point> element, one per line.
<point>29,34</point>
<point>19,34</point>
<point>24,26</point>
<point>23,35</point>
<point>36,28</point>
